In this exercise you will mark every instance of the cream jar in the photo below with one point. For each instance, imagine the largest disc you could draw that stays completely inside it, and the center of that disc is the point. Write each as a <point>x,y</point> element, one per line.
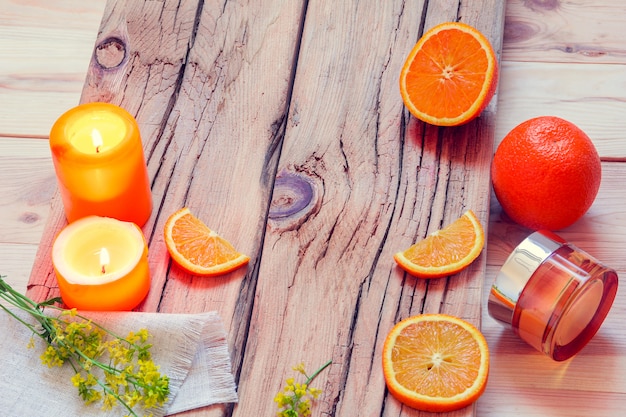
<point>552,294</point>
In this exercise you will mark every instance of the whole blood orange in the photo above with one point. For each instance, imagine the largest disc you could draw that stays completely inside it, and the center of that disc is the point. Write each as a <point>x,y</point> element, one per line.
<point>546,173</point>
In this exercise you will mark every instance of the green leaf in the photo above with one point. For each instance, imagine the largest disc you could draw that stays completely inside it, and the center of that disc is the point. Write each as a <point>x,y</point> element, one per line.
<point>50,301</point>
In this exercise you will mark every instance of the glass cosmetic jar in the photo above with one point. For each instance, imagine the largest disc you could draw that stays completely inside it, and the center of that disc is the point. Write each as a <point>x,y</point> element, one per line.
<point>552,294</point>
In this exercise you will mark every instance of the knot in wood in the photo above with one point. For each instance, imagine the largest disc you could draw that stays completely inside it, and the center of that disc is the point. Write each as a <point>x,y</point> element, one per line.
<point>110,53</point>
<point>518,31</point>
<point>29,217</point>
<point>294,198</point>
<point>542,5</point>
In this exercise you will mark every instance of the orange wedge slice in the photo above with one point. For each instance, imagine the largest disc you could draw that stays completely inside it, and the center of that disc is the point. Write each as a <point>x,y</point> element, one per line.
<point>435,362</point>
<point>446,251</point>
<point>198,249</point>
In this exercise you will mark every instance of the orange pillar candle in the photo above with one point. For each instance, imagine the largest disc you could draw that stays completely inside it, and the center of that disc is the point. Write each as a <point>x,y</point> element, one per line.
<point>99,161</point>
<point>101,264</point>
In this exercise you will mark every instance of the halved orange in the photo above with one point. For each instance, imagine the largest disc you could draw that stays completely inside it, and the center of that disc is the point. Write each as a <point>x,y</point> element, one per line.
<point>198,249</point>
<point>446,251</point>
<point>435,362</point>
<point>450,75</point>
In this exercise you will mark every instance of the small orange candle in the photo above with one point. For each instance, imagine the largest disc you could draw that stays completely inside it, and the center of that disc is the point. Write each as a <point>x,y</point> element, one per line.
<point>100,166</point>
<point>101,264</point>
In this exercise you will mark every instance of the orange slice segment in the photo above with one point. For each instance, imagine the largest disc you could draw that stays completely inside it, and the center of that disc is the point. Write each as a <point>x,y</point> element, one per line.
<point>198,249</point>
<point>446,251</point>
<point>435,362</point>
<point>450,75</point>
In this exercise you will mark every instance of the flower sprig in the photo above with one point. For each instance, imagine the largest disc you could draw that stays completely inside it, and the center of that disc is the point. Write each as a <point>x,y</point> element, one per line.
<point>295,399</point>
<point>108,368</point>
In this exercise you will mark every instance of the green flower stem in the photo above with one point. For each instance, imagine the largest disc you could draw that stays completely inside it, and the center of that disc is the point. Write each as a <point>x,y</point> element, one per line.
<point>316,373</point>
<point>24,303</point>
<point>108,391</point>
<point>295,399</point>
<point>130,376</point>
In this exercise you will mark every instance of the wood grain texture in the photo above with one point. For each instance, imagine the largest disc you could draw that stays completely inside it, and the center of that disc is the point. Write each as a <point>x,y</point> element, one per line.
<point>382,196</point>
<point>565,31</point>
<point>27,184</point>
<point>281,126</point>
<point>591,96</point>
<point>45,63</point>
<point>26,193</point>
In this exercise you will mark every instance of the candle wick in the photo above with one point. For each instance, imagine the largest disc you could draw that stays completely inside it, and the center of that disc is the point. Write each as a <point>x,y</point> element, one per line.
<point>104,259</point>
<point>96,138</point>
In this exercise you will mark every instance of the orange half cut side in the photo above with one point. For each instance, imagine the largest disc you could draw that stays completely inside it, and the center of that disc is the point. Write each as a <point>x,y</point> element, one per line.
<point>435,362</point>
<point>450,75</point>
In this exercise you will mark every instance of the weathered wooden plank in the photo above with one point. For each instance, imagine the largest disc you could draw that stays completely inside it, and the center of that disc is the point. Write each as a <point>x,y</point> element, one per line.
<point>237,85</point>
<point>565,31</point>
<point>342,144</point>
<point>212,112</point>
<point>13,257</point>
<point>135,66</point>
<point>380,181</point>
<point>237,107</point>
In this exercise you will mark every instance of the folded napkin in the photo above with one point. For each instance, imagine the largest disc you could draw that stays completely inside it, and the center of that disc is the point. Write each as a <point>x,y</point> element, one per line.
<point>191,349</point>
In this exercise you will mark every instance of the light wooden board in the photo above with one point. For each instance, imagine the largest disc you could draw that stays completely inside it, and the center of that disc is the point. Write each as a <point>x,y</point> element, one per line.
<point>565,31</point>
<point>26,193</point>
<point>49,45</point>
<point>516,388</point>
<point>597,105</point>
<point>28,183</point>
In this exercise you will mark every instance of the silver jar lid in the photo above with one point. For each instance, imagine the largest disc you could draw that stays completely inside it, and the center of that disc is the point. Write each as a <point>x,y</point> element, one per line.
<point>517,270</point>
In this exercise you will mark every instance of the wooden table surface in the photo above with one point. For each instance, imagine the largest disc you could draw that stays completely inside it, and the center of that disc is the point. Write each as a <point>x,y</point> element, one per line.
<point>557,58</point>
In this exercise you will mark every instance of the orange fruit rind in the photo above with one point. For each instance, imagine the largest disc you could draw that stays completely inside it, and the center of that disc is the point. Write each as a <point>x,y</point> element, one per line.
<point>446,251</point>
<point>435,362</point>
<point>546,173</point>
<point>197,249</point>
<point>450,75</point>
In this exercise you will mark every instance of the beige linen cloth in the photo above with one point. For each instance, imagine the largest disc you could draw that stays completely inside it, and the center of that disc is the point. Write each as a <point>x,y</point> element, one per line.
<point>191,350</point>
